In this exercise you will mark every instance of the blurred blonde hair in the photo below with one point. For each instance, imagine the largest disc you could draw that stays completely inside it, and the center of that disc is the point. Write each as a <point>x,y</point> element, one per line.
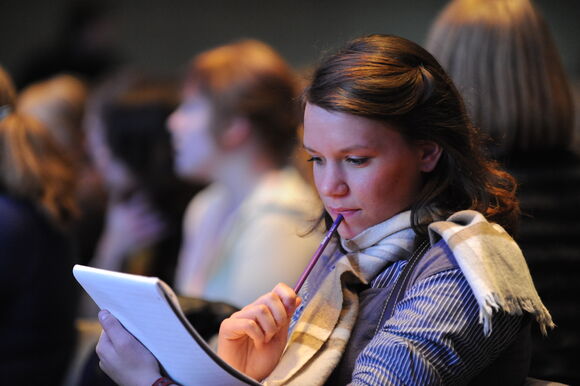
<point>502,57</point>
<point>32,165</point>
<point>59,103</point>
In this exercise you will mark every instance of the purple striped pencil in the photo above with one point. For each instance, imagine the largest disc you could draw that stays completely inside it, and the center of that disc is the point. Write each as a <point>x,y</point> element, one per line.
<point>318,253</point>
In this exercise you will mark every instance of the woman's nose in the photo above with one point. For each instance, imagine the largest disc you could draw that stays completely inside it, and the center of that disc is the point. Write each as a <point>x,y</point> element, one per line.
<point>331,183</point>
<point>173,121</point>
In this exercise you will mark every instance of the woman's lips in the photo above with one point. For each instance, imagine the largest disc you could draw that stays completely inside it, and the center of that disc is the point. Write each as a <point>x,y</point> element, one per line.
<point>346,212</point>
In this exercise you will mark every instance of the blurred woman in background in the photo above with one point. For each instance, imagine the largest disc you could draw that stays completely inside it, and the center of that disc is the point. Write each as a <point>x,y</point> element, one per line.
<point>131,147</point>
<point>59,103</point>
<point>37,291</point>
<point>503,59</point>
<point>236,128</point>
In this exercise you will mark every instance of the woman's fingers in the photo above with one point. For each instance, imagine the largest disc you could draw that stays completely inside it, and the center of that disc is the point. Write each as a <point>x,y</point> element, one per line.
<point>106,352</point>
<point>104,347</point>
<point>268,318</point>
<point>237,328</point>
<point>144,222</point>
<point>257,316</point>
<point>270,312</point>
<point>288,297</point>
<point>252,339</point>
<point>122,356</point>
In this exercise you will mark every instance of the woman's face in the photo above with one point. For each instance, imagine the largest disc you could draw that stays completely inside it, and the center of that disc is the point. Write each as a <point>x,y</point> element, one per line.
<point>114,172</point>
<point>195,147</point>
<point>363,169</point>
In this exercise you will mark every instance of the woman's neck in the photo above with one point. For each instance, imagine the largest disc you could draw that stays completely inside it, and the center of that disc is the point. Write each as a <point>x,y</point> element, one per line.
<point>242,172</point>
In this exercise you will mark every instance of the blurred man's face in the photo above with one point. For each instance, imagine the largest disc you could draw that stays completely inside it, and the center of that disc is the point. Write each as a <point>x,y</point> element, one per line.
<point>196,150</point>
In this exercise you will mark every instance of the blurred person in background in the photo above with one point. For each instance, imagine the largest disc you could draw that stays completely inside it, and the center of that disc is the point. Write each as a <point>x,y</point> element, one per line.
<point>59,103</point>
<point>131,147</point>
<point>38,295</point>
<point>236,128</point>
<point>502,57</point>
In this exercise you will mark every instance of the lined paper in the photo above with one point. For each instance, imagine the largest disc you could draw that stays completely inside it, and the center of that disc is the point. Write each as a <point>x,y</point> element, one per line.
<point>148,309</point>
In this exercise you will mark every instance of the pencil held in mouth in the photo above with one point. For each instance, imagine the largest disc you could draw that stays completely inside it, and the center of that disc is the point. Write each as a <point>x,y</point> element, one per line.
<point>318,253</point>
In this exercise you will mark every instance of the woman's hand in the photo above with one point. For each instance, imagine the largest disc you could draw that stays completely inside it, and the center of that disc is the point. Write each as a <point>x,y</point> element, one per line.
<point>252,340</point>
<point>130,226</point>
<point>123,357</point>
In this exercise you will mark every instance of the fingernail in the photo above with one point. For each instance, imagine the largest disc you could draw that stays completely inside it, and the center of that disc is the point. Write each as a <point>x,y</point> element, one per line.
<point>103,315</point>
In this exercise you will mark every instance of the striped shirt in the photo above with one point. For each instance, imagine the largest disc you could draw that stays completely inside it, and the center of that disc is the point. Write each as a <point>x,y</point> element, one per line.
<point>434,336</point>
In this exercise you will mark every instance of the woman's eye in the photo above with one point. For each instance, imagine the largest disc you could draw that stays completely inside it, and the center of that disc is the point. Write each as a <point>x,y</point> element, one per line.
<point>314,159</point>
<point>357,161</point>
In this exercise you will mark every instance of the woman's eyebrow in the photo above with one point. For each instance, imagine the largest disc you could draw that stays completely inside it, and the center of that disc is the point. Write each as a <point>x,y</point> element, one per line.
<point>343,150</point>
<point>355,147</point>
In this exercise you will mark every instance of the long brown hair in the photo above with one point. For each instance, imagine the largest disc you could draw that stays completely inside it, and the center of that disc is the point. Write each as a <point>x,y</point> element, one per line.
<point>502,58</point>
<point>393,80</point>
<point>32,165</point>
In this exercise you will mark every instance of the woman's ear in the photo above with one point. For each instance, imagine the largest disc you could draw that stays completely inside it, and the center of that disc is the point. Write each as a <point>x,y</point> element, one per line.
<point>237,132</point>
<point>429,153</point>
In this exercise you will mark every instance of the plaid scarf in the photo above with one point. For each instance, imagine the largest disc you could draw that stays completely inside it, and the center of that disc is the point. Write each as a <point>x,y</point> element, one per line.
<point>493,265</point>
<point>320,335</point>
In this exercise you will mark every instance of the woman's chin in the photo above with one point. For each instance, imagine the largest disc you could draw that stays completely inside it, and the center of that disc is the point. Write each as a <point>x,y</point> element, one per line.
<point>347,232</point>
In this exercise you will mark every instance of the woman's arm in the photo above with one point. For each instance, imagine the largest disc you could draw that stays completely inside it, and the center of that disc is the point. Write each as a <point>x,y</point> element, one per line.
<point>434,336</point>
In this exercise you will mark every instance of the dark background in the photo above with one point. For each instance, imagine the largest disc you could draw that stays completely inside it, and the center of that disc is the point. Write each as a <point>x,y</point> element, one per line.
<point>163,35</point>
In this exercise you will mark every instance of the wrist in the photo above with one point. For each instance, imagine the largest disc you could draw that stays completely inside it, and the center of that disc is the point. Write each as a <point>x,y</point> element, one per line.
<point>163,381</point>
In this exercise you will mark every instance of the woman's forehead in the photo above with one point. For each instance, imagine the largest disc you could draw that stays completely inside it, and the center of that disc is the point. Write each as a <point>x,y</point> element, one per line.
<point>347,130</point>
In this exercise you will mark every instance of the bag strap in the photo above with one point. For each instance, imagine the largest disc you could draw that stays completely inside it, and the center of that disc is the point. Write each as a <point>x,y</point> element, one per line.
<point>402,282</point>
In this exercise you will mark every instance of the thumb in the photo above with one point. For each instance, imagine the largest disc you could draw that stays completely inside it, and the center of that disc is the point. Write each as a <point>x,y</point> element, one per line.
<point>113,328</point>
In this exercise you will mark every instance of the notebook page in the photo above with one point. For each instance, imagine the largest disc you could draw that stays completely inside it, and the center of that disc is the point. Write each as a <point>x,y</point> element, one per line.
<point>145,307</point>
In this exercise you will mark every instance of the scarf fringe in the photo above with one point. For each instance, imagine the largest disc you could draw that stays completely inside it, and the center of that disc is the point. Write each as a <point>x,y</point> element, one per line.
<point>514,306</point>
<point>493,266</point>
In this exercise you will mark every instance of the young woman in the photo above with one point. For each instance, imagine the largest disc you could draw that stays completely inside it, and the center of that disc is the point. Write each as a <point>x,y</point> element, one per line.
<point>395,154</point>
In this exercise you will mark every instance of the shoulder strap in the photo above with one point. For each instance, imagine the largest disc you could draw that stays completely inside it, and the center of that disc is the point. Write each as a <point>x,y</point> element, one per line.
<point>402,282</point>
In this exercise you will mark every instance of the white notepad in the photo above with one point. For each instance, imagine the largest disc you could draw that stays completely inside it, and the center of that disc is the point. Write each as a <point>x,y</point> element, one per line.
<point>149,310</point>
